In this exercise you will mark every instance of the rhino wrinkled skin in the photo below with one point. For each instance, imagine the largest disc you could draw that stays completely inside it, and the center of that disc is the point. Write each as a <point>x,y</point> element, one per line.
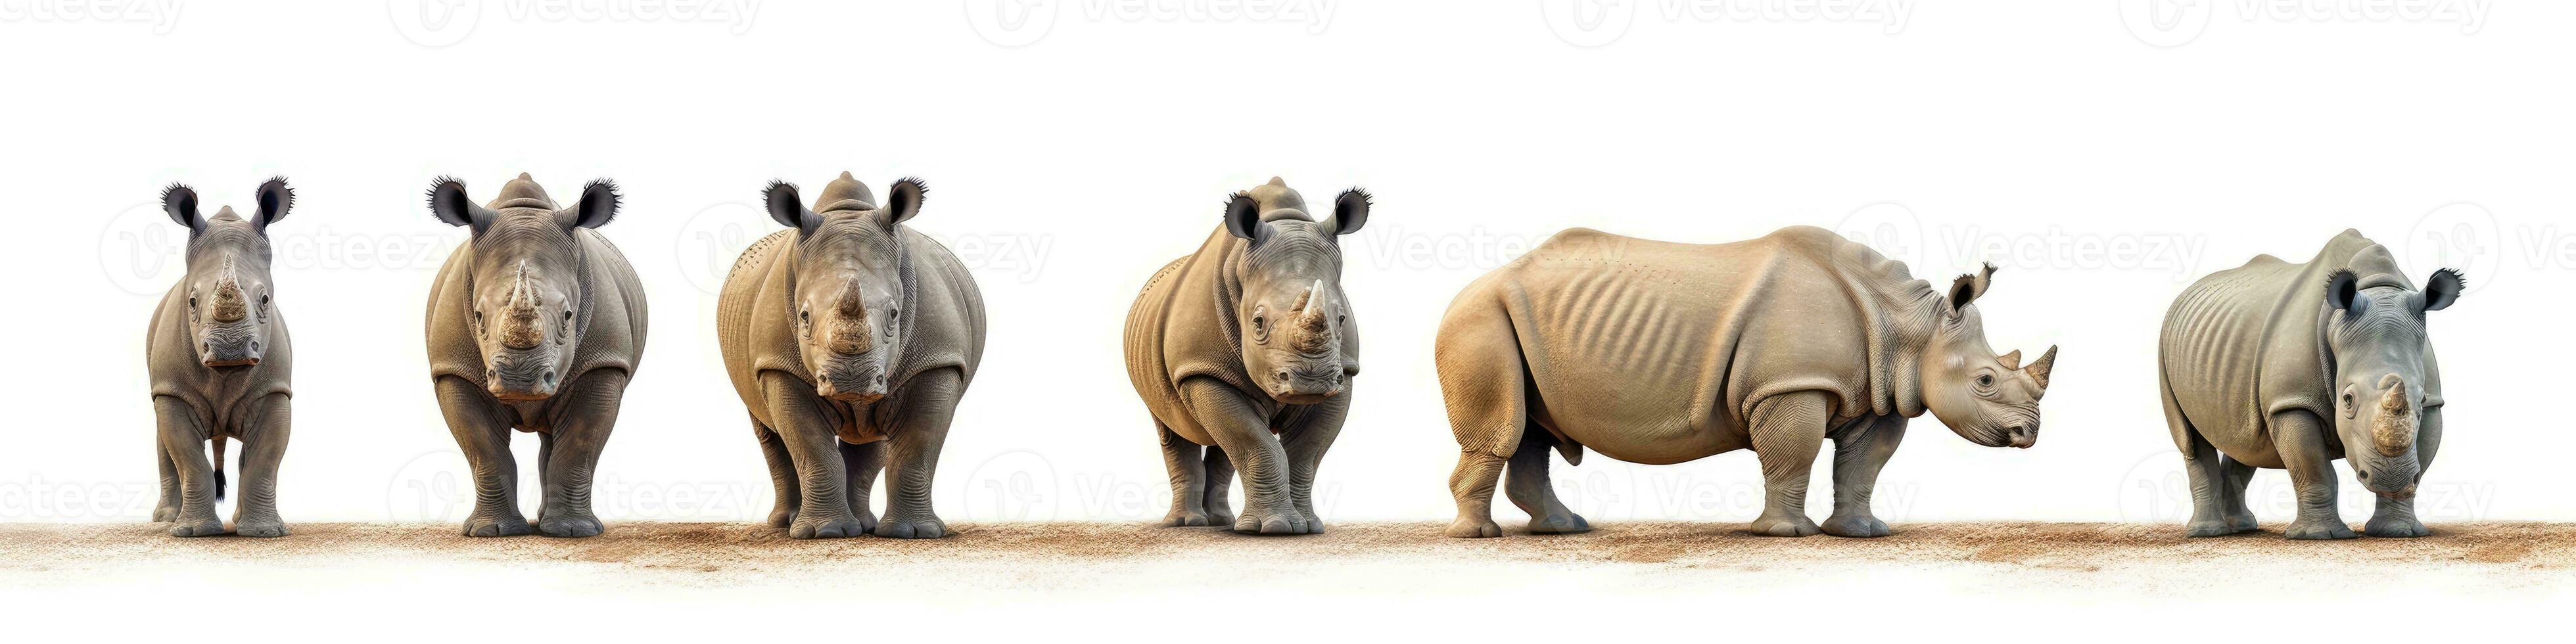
<point>1660,352</point>
<point>844,333</point>
<point>2281,365</point>
<point>535,324</point>
<point>1244,352</point>
<point>220,366</point>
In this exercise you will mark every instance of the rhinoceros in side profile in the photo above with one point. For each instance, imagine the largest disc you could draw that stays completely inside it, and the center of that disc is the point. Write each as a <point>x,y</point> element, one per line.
<point>844,333</point>
<point>1247,347</point>
<point>1659,352</point>
<point>220,367</point>
<point>2281,365</point>
<point>535,324</point>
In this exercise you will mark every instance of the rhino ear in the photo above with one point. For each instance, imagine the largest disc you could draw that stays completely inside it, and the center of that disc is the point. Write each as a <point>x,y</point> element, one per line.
<point>1243,216</point>
<point>788,209</point>
<point>1350,211</point>
<point>903,200</point>
<point>181,202</point>
<point>275,198</point>
<point>2443,288</point>
<point>1968,288</point>
<point>2343,290</point>
<point>598,205</point>
<point>447,200</point>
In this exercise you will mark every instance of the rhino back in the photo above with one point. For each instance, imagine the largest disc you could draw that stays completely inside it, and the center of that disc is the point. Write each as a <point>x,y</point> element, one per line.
<point>1655,351</point>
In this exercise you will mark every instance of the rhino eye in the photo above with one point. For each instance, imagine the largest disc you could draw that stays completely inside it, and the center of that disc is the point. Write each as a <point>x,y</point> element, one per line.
<point>1985,380</point>
<point>567,315</point>
<point>805,317</point>
<point>1260,325</point>
<point>192,301</point>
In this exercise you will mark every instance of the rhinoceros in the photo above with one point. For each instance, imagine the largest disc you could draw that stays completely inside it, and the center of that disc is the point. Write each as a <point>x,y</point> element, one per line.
<point>536,324</point>
<point>221,367</point>
<point>1659,352</point>
<point>844,333</point>
<point>1247,348</point>
<point>2281,365</point>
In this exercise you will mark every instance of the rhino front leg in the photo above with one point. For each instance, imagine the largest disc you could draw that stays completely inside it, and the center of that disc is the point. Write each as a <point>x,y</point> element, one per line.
<point>823,507</point>
<point>1220,487</point>
<point>573,454</point>
<point>482,430</point>
<point>1526,483</point>
<point>168,508</point>
<point>782,476</point>
<point>2301,440</point>
<point>2395,517</point>
<point>1787,430</point>
<point>1305,444</point>
<point>183,442</point>
<point>263,447</point>
<point>863,461</point>
<point>921,427</point>
<point>1240,429</point>
<point>1187,464</point>
<point>1859,453</point>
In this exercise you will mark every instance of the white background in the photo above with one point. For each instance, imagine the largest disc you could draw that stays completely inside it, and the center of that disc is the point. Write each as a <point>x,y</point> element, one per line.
<point>2101,161</point>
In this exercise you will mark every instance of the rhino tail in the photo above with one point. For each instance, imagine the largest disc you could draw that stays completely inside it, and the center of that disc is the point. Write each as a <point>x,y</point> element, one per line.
<point>219,468</point>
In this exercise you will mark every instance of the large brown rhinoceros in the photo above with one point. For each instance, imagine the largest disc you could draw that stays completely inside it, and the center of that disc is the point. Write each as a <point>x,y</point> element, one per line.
<point>1247,348</point>
<point>2282,365</point>
<point>535,324</point>
<point>1658,352</point>
<point>221,367</point>
<point>848,331</point>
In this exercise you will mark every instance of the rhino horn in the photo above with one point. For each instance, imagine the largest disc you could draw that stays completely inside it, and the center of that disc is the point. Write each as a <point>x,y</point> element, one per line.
<point>1310,309</point>
<point>2394,430</point>
<point>519,328</point>
<point>230,305</point>
<point>2038,369</point>
<point>851,334</point>
<point>2011,360</point>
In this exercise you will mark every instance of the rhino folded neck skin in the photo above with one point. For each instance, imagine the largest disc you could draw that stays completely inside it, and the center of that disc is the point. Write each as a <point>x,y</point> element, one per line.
<point>228,277</point>
<point>848,282</point>
<point>1988,399</point>
<point>2375,339</point>
<point>525,279</point>
<point>1291,313</point>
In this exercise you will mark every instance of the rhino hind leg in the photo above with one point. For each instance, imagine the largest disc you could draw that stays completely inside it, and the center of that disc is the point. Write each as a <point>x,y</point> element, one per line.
<point>782,476</point>
<point>2232,498</point>
<point>1484,383</point>
<point>1526,482</point>
<point>1187,462</point>
<point>1787,431</point>
<point>1220,486</point>
<point>862,462</point>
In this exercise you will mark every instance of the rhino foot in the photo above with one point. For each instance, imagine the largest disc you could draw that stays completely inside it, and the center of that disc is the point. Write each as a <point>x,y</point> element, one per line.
<point>580,525</point>
<point>1857,527</point>
<point>1567,523</point>
<point>2211,528</point>
<point>1791,526</point>
<point>200,528</point>
<point>834,528</point>
<point>511,525</point>
<point>2402,527</point>
<point>782,518</point>
<point>1474,529</point>
<point>1220,517</point>
<point>1271,523</point>
<point>165,514</point>
<point>2242,522</point>
<point>260,527</point>
<point>2322,530</point>
<point>1180,519</point>
<point>930,528</point>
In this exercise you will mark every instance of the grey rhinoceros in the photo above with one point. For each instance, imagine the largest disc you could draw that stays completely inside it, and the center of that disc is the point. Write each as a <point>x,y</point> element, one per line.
<point>2281,365</point>
<point>1247,347</point>
<point>1660,352</point>
<point>844,333</point>
<point>536,324</point>
<point>220,366</point>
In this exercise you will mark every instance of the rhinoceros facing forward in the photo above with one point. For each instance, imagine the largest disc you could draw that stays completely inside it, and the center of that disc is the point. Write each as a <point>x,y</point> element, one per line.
<point>2282,365</point>
<point>1658,352</point>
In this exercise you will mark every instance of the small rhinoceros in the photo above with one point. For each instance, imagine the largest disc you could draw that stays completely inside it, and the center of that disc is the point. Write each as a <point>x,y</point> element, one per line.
<point>536,324</point>
<point>844,333</point>
<point>2282,365</point>
<point>1247,347</point>
<point>1659,352</point>
<point>221,367</point>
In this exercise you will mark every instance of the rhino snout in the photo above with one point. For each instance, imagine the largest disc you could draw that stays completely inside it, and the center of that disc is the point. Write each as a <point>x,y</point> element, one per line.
<point>1304,387</point>
<point>240,353</point>
<point>531,383</point>
<point>2021,436</point>
<point>859,387</point>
